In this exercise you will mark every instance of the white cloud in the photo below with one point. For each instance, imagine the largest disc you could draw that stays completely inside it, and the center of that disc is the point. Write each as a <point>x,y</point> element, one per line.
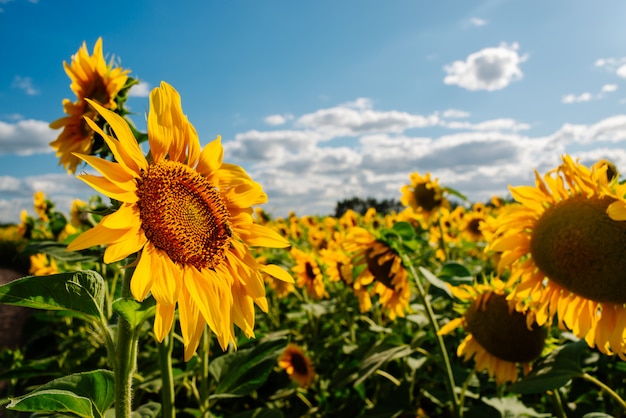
<point>139,90</point>
<point>476,21</point>
<point>621,71</point>
<point>455,113</point>
<point>26,137</point>
<point>488,69</point>
<point>16,194</point>
<point>358,118</point>
<point>277,120</point>
<point>309,169</point>
<point>572,98</point>
<point>609,88</point>
<point>26,84</point>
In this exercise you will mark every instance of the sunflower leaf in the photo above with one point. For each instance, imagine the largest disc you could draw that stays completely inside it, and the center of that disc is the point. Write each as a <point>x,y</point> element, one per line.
<point>81,292</point>
<point>553,372</point>
<point>87,394</point>
<point>134,312</point>
<point>241,372</point>
<point>435,281</point>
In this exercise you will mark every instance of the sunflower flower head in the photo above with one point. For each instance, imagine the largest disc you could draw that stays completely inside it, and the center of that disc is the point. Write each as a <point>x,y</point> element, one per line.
<point>499,338</point>
<point>91,78</point>
<point>564,243</point>
<point>308,274</point>
<point>423,195</point>
<point>188,215</point>
<point>383,271</point>
<point>297,365</point>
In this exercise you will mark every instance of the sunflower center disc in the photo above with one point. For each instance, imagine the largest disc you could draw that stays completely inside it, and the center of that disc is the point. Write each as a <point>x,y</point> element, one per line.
<point>577,245</point>
<point>299,364</point>
<point>426,197</point>
<point>184,215</point>
<point>381,272</point>
<point>501,333</point>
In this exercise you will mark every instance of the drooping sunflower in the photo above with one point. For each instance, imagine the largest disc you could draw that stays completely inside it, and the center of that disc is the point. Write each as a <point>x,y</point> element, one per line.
<point>565,250</point>
<point>499,338</point>
<point>92,78</point>
<point>297,365</point>
<point>424,195</point>
<point>383,269</point>
<point>189,216</point>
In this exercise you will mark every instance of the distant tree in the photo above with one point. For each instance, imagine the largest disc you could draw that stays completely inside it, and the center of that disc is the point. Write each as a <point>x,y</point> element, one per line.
<point>361,206</point>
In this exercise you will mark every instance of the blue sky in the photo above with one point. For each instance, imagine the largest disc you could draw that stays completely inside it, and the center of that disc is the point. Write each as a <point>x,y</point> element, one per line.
<point>326,100</point>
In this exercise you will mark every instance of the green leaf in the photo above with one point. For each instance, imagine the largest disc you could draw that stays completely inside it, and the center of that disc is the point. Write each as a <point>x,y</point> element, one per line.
<point>455,273</point>
<point>380,354</point>
<point>134,312</point>
<point>558,368</point>
<point>404,230</point>
<point>148,410</point>
<point>435,281</point>
<point>512,407</point>
<point>241,372</point>
<point>71,393</point>
<point>81,292</point>
<point>53,400</point>
<point>57,250</point>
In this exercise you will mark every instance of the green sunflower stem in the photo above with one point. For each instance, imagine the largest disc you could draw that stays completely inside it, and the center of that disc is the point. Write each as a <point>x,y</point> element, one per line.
<point>125,355</point>
<point>605,388</point>
<point>457,411</point>
<point>167,390</point>
<point>204,383</point>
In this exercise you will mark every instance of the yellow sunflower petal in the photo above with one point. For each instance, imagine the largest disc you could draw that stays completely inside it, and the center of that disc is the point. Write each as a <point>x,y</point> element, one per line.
<point>277,272</point>
<point>163,320</point>
<point>143,277</point>
<point>259,235</point>
<point>130,243</point>
<point>211,157</point>
<point>97,235</point>
<point>617,211</point>
<point>107,188</point>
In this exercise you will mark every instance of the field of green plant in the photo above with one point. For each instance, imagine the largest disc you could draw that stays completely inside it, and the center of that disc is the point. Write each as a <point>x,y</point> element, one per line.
<point>177,295</point>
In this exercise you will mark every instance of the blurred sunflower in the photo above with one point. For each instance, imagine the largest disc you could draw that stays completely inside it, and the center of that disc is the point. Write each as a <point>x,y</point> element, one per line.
<point>499,337</point>
<point>297,365</point>
<point>40,265</point>
<point>424,196</point>
<point>91,79</point>
<point>41,205</point>
<point>189,215</point>
<point>308,274</point>
<point>565,244</point>
<point>383,268</point>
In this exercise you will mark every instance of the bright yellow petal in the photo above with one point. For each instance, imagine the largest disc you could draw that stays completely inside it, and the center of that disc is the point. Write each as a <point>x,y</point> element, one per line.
<point>261,236</point>
<point>617,211</point>
<point>168,278</point>
<point>143,277</point>
<point>134,157</point>
<point>127,216</point>
<point>107,188</point>
<point>211,157</point>
<point>97,235</point>
<point>112,171</point>
<point>163,320</point>
<point>277,272</point>
<point>130,243</point>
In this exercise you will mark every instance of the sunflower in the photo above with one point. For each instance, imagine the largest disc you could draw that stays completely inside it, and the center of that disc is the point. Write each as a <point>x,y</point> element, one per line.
<point>564,244</point>
<point>297,365</point>
<point>40,265</point>
<point>308,274</point>
<point>424,195</point>
<point>189,216</point>
<point>91,79</point>
<point>383,268</point>
<point>41,205</point>
<point>499,337</point>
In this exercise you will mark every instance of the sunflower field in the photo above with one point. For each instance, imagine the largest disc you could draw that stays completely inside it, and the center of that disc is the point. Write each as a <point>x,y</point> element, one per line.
<point>171,292</point>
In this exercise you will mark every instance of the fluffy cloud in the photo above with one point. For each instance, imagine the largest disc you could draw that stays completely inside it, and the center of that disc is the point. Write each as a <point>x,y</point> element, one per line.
<point>572,98</point>
<point>17,193</point>
<point>476,21</point>
<point>276,120</point>
<point>26,137</point>
<point>308,170</point>
<point>139,90</point>
<point>488,69</point>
